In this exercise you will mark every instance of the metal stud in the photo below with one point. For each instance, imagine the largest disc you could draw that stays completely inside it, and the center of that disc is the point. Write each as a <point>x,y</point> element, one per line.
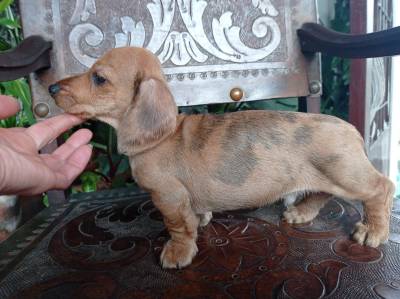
<point>315,87</point>
<point>236,94</point>
<point>41,110</point>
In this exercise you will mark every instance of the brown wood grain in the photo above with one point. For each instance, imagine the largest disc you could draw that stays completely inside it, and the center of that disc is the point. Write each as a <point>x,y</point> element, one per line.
<point>358,20</point>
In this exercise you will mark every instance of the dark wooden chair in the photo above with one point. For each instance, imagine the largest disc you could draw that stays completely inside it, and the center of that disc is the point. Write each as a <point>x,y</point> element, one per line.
<point>106,244</point>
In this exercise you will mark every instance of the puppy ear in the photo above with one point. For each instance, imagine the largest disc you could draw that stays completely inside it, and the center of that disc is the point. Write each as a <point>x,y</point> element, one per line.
<point>151,116</point>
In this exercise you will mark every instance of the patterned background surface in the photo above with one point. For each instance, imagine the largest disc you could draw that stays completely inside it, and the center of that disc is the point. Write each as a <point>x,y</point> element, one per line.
<point>109,248</point>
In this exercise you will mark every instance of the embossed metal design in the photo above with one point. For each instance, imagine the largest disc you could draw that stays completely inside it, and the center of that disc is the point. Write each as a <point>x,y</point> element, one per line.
<point>179,47</point>
<point>206,47</point>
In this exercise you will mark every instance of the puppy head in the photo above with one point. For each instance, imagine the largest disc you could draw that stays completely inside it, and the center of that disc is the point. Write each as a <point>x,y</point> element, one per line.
<point>125,88</point>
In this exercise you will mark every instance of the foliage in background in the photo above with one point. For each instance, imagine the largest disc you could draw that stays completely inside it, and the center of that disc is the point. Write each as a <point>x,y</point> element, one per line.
<point>107,168</point>
<point>10,37</point>
<point>336,71</point>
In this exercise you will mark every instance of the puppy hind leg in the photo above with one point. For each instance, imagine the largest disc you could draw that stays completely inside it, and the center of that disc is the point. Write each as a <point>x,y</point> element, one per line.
<point>351,175</point>
<point>374,229</point>
<point>182,224</point>
<point>307,209</point>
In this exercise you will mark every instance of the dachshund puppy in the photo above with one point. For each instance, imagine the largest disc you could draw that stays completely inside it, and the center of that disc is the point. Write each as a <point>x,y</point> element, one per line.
<point>194,165</point>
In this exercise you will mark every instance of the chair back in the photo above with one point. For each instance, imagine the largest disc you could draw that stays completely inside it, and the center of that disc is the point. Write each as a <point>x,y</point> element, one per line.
<point>215,51</point>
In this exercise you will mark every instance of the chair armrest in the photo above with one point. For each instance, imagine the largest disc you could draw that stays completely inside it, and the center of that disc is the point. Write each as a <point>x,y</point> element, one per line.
<point>316,38</point>
<point>31,55</point>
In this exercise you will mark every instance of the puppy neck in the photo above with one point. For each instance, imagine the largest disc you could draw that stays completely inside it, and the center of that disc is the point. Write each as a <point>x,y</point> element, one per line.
<point>110,121</point>
<point>133,147</point>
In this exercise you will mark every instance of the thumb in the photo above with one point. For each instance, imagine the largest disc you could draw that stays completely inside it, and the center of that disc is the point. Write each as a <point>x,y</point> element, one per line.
<point>8,106</point>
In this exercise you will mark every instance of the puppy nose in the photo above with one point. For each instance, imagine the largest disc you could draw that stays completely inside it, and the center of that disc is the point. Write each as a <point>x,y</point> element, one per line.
<point>54,89</point>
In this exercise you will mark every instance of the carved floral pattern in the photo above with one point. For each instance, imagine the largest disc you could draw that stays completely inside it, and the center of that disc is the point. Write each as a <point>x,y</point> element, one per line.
<point>179,47</point>
<point>355,252</point>
<point>328,272</point>
<point>388,291</point>
<point>297,284</point>
<point>233,247</point>
<point>336,218</point>
<point>99,239</point>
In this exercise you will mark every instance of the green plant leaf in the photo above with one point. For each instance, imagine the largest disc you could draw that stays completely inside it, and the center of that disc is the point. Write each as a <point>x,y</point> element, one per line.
<point>4,45</point>
<point>4,4</point>
<point>12,24</point>
<point>89,181</point>
<point>20,90</point>
<point>103,164</point>
<point>99,145</point>
<point>119,181</point>
<point>123,165</point>
<point>290,104</point>
<point>45,200</point>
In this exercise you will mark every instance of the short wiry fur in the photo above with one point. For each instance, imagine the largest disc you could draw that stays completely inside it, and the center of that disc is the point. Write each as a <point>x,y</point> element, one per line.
<point>194,165</point>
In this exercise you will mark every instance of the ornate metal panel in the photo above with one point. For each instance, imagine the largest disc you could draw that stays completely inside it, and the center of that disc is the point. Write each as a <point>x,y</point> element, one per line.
<point>207,48</point>
<point>377,129</point>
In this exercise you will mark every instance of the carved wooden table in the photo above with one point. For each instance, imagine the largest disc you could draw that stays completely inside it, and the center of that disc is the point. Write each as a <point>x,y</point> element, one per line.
<point>108,247</point>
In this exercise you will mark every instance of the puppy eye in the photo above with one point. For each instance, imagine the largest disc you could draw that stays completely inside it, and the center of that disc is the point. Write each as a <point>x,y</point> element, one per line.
<point>98,80</point>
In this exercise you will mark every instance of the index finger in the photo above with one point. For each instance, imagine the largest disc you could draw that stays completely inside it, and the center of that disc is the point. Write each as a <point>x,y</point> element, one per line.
<point>47,130</point>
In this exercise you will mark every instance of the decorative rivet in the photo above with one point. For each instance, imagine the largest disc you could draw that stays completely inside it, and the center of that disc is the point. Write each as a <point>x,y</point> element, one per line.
<point>41,110</point>
<point>315,87</point>
<point>236,94</point>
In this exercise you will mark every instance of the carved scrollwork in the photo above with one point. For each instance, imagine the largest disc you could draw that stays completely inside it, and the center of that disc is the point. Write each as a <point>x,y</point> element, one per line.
<point>92,35</point>
<point>134,34</point>
<point>226,36</point>
<point>179,47</point>
<point>266,7</point>
<point>83,10</point>
<point>162,14</point>
<point>108,229</point>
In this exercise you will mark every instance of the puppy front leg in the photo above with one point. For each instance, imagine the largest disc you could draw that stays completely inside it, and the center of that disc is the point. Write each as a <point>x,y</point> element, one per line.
<point>182,224</point>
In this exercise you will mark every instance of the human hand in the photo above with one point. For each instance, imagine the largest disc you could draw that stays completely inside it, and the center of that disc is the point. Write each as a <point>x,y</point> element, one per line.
<point>23,170</point>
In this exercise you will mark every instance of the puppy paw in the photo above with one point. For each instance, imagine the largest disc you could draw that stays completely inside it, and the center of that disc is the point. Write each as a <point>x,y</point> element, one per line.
<point>365,235</point>
<point>295,215</point>
<point>205,219</point>
<point>178,255</point>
